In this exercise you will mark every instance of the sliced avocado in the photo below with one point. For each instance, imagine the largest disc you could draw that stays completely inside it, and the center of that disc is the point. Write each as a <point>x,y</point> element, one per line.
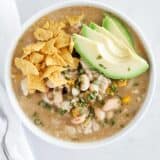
<point>115,46</point>
<point>115,67</point>
<point>118,28</point>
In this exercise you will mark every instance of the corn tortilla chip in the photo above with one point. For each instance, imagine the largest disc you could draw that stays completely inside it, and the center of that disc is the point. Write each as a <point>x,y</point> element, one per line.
<point>42,34</point>
<point>26,67</point>
<point>34,47</point>
<point>35,83</point>
<point>36,58</point>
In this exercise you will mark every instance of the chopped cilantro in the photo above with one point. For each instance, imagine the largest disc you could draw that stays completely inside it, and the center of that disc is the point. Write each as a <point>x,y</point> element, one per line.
<point>113,88</point>
<point>44,105</point>
<point>61,111</point>
<point>92,96</point>
<point>36,119</point>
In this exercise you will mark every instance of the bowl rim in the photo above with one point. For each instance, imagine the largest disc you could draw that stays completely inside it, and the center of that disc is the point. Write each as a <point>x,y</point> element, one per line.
<point>59,142</point>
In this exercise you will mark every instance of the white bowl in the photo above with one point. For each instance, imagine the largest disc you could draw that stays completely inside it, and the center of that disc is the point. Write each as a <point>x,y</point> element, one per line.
<point>53,140</point>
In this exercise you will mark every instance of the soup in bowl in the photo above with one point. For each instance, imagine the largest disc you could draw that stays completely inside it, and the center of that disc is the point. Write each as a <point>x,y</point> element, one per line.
<point>79,74</point>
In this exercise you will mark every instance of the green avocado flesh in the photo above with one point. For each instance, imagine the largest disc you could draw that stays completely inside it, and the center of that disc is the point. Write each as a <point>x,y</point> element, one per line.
<point>116,27</point>
<point>108,54</point>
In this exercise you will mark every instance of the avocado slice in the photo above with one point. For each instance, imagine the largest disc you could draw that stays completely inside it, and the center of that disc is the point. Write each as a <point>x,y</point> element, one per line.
<point>115,46</point>
<point>118,28</point>
<point>97,55</point>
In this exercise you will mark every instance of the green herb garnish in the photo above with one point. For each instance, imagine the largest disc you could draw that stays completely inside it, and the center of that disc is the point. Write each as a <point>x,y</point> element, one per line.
<point>92,96</point>
<point>129,68</point>
<point>44,105</point>
<point>36,119</point>
<point>61,111</point>
<point>113,88</point>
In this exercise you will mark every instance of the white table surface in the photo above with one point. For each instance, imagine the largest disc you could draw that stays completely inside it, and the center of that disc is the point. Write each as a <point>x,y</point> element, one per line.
<point>144,141</point>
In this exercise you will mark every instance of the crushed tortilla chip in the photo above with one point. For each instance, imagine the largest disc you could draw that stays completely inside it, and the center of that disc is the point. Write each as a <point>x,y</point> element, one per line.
<point>49,60</point>
<point>42,34</point>
<point>58,60</point>
<point>67,57</point>
<point>36,58</point>
<point>57,79</point>
<point>34,47</point>
<point>35,83</point>
<point>46,25</point>
<point>55,59</point>
<point>71,45</point>
<point>51,69</point>
<point>49,48</point>
<point>75,63</point>
<point>56,27</point>
<point>26,67</point>
<point>74,20</point>
<point>62,40</point>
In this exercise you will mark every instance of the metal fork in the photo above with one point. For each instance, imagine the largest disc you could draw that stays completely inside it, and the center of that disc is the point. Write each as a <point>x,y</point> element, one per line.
<point>3,133</point>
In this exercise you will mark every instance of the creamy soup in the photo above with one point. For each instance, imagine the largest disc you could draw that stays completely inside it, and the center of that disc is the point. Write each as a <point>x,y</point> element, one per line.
<point>60,92</point>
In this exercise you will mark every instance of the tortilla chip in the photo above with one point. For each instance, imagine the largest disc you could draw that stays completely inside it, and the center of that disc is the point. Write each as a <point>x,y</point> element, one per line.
<point>49,48</point>
<point>35,83</point>
<point>55,59</point>
<point>42,34</point>
<point>74,20</point>
<point>58,60</point>
<point>57,79</point>
<point>67,57</point>
<point>56,27</point>
<point>34,47</point>
<point>75,63</point>
<point>51,69</point>
<point>62,40</point>
<point>49,60</point>
<point>26,67</point>
<point>36,58</point>
<point>71,45</point>
<point>46,25</point>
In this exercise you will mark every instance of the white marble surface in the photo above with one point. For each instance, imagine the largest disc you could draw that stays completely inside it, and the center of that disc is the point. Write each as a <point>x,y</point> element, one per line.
<point>144,141</point>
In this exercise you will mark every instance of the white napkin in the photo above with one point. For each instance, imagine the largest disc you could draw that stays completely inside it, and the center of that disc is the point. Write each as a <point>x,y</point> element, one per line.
<point>9,26</point>
<point>15,140</point>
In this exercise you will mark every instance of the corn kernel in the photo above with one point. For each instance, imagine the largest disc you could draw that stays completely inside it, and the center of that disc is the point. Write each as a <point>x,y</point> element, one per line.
<point>76,112</point>
<point>122,83</point>
<point>126,99</point>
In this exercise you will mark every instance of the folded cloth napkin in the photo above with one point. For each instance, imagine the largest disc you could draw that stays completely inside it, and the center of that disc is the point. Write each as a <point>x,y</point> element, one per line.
<point>16,141</point>
<point>9,26</point>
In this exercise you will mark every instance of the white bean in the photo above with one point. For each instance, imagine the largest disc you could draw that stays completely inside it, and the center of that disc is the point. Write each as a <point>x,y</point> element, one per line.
<point>58,98</point>
<point>24,87</point>
<point>65,105</point>
<point>103,83</point>
<point>75,91</point>
<point>84,82</point>
<point>94,87</point>
<point>112,104</point>
<point>100,114</point>
<point>109,115</point>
